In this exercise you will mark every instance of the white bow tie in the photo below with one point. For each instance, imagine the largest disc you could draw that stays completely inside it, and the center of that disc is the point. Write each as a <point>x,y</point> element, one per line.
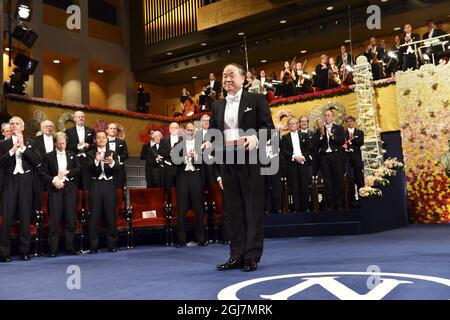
<point>232,99</point>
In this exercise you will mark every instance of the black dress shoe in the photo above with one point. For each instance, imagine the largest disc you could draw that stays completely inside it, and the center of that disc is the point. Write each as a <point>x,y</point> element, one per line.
<point>180,245</point>
<point>52,255</point>
<point>112,249</point>
<point>93,251</point>
<point>25,257</point>
<point>73,252</point>
<point>203,243</point>
<point>5,259</point>
<point>250,265</point>
<point>230,264</point>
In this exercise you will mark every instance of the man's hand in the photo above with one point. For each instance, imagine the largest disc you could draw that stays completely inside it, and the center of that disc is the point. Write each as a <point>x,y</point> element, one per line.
<point>206,145</point>
<point>58,184</point>
<point>108,160</point>
<point>61,175</point>
<point>99,156</point>
<point>219,181</point>
<point>20,141</point>
<point>299,159</point>
<point>13,150</point>
<point>250,142</point>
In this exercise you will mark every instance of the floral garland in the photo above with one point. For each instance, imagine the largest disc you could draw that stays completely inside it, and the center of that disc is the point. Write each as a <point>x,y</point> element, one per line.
<point>323,94</point>
<point>281,114</point>
<point>82,107</point>
<point>380,178</point>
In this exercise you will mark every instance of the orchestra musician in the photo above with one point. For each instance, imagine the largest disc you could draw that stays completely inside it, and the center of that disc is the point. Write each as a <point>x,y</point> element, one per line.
<point>303,79</point>
<point>333,74</point>
<point>342,61</point>
<point>408,52</point>
<point>187,105</point>
<point>213,90</point>
<point>322,73</point>
<point>374,55</point>
<point>287,77</point>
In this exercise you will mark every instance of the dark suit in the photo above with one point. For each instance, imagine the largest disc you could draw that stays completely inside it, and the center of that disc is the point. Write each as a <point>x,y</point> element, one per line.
<point>353,158</point>
<point>436,50</point>
<point>322,79</point>
<point>72,145</point>
<point>18,194</point>
<point>189,186</point>
<point>332,164</point>
<point>297,173</point>
<point>409,59</point>
<point>243,194</point>
<point>61,201</point>
<point>339,60</point>
<point>40,148</point>
<point>102,199</point>
<point>122,152</point>
<point>377,68</point>
<point>154,171</point>
<point>170,170</point>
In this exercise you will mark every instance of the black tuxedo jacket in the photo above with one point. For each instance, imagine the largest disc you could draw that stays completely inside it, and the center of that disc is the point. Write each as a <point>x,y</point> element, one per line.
<point>50,168</point>
<point>217,87</point>
<point>149,154</point>
<point>436,33</point>
<point>73,141</point>
<point>96,170</point>
<point>253,114</point>
<point>358,140</point>
<point>165,149</point>
<point>339,60</point>
<point>336,141</point>
<point>30,157</point>
<point>40,145</point>
<point>183,152</point>
<point>414,37</point>
<point>287,147</point>
<point>380,54</point>
<point>121,150</point>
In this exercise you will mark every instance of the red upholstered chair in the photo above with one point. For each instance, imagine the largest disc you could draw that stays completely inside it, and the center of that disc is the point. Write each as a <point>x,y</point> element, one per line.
<point>150,199</point>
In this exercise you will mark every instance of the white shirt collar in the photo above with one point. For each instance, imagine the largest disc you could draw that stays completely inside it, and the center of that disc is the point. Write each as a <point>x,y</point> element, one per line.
<point>80,128</point>
<point>237,95</point>
<point>60,153</point>
<point>46,137</point>
<point>101,149</point>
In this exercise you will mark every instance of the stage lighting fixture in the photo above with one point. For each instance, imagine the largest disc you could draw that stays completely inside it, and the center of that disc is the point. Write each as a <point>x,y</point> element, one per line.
<point>25,63</point>
<point>23,11</point>
<point>25,35</point>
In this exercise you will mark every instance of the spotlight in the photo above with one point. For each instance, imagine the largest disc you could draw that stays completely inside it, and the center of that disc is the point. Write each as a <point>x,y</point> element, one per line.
<point>25,63</point>
<point>194,77</point>
<point>100,71</point>
<point>263,61</point>
<point>56,61</point>
<point>24,35</point>
<point>23,11</point>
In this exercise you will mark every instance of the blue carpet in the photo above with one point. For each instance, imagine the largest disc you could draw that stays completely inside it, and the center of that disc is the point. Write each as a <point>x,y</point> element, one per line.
<point>156,272</point>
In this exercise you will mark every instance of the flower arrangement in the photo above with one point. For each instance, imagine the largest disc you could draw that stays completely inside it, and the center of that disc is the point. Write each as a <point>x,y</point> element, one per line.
<point>384,172</point>
<point>393,164</point>
<point>376,181</point>
<point>367,191</point>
